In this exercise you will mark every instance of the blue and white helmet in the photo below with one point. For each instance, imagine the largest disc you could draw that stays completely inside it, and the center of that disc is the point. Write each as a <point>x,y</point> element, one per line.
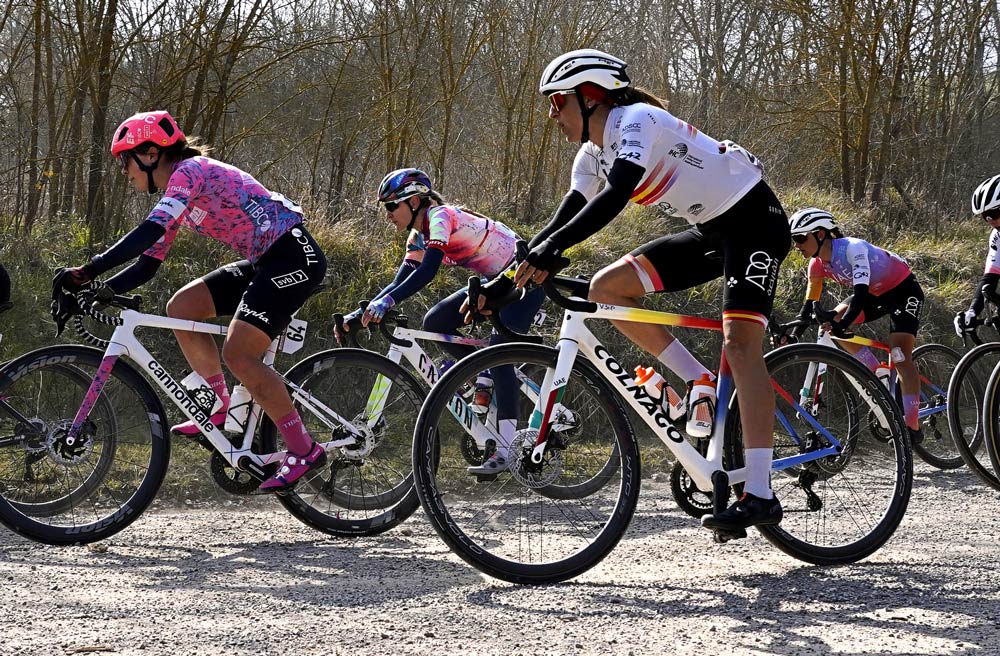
<point>400,184</point>
<point>811,219</point>
<point>986,196</point>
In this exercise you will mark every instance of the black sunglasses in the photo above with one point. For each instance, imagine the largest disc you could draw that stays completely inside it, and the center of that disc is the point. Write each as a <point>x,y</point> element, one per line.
<point>123,159</point>
<point>991,215</point>
<point>391,206</point>
<point>800,239</point>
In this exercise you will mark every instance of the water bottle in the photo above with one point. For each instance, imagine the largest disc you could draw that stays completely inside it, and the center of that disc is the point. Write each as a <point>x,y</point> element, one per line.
<point>657,387</point>
<point>202,393</point>
<point>882,373</point>
<point>701,402</point>
<point>239,408</point>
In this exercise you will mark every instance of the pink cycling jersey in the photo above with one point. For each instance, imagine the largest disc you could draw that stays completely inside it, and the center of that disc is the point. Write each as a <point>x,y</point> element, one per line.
<point>468,239</point>
<point>220,201</point>
<point>856,262</point>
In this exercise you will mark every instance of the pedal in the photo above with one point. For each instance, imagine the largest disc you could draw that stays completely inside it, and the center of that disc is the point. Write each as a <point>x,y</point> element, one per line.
<point>721,537</point>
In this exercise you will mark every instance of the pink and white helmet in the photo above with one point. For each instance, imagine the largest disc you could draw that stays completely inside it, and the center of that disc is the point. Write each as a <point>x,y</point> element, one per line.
<point>158,128</point>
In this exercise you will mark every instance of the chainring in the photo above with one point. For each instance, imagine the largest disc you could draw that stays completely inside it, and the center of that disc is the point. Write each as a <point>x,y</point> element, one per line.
<point>229,479</point>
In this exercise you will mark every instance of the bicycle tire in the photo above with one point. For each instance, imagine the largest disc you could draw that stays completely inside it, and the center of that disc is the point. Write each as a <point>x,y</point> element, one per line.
<point>991,418</point>
<point>938,447</point>
<point>547,540</point>
<point>141,452</point>
<point>101,467</point>
<point>887,480</point>
<point>968,385</point>
<point>364,491</point>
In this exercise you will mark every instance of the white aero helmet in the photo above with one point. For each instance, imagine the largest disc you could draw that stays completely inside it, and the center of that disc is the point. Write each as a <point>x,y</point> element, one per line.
<point>569,70</point>
<point>810,220</point>
<point>986,196</point>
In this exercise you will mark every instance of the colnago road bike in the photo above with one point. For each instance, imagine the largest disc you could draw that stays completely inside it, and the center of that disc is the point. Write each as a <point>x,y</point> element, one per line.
<point>843,491</point>
<point>84,441</point>
<point>935,363</point>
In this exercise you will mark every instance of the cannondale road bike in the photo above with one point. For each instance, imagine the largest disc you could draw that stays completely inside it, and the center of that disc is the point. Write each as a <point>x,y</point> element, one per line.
<point>84,442</point>
<point>843,492</point>
<point>935,363</point>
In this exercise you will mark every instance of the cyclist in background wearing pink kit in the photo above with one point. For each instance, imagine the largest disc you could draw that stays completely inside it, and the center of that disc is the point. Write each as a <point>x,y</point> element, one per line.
<point>283,264</point>
<point>882,285</point>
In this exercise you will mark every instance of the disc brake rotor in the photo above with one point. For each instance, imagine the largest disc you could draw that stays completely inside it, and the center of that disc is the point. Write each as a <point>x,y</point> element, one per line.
<point>524,471</point>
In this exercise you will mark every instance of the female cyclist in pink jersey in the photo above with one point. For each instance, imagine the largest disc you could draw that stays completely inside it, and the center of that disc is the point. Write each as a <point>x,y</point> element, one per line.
<point>640,152</point>
<point>283,264</point>
<point>882,285</point>
<point>454,236</point>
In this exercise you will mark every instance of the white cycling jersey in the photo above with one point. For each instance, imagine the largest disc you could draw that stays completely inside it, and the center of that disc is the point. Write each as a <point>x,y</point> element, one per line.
<point>993,253</point>
<point>687,173</point>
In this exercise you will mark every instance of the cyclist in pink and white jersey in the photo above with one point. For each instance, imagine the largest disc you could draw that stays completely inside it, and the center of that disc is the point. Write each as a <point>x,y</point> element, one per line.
<point>883,285</point>
<point>454,236</point>
<point>640,152</point>
<point>283,264</point>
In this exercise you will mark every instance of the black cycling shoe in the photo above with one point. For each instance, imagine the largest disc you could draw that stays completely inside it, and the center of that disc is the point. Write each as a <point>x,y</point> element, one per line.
<point>749,510</point>
<point>916,436</point>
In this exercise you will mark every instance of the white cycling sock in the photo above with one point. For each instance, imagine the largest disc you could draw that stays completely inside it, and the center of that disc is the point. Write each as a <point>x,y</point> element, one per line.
<point>680,361</point>
<point>758,481</point>
<point>506,428</point>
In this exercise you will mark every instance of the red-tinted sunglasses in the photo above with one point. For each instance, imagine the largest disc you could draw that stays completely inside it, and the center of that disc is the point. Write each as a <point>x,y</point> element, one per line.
<point>558,99</point>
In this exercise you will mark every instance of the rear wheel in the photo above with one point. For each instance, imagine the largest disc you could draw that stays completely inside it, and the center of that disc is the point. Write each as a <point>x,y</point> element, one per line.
<point>842,507</point>
<point>367,487</point>
<point>935,364</point>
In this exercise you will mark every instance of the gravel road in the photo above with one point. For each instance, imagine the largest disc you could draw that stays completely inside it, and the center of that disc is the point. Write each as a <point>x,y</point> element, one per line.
<point>248,581</point>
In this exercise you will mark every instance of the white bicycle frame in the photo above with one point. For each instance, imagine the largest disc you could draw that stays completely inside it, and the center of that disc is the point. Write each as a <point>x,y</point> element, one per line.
<point>123,342</point>
<point>404,345</point>
<point>575,339</point>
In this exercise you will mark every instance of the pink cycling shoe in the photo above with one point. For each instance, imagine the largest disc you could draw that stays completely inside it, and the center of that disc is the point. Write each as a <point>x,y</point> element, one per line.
<point>191,429</point>
<point>294,467</point>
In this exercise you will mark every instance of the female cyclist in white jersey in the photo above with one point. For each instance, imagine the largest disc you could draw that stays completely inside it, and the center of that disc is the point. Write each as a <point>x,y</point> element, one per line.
<point>985,203</point>
<point>640,152</point>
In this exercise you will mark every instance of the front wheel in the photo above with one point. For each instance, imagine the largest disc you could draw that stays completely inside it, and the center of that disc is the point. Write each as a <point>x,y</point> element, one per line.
<point>64,486</point>
<point>367,487</point>
<point>965,414</point>
<point>841,507</point>
<point>510,525</point>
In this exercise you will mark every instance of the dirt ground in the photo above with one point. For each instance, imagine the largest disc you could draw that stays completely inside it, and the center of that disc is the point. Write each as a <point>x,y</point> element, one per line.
<point>238,580</point>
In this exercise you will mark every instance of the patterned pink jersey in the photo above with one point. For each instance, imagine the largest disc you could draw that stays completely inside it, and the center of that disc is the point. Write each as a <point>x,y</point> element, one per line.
<point>856,262</point>
<point>468,239</point>
<point>220,201</point>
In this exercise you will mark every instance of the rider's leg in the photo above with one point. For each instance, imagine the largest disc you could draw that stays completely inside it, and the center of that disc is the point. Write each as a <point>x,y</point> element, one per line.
<point>909,377</point>
<point>861,353</point>
<point>194,302</point>
<point>621,284</point>
<point>445,318</point>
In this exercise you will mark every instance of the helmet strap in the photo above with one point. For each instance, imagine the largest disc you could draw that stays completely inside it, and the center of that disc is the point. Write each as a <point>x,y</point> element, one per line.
<point>150,185</point>
<point>585,113</point>
<point>414,213</point>
<point>820,242</point>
